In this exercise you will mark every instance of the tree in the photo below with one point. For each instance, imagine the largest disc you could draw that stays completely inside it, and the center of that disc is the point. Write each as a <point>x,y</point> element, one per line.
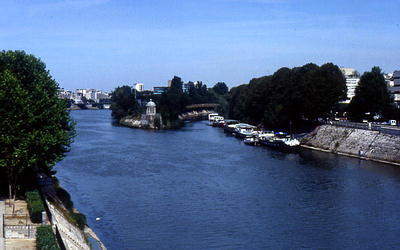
<point>35,127</point>
<point>173,101</point>
<point>220,88</point>
<point>371,96</point>
<point>123,102</point>
<point>289,95</point>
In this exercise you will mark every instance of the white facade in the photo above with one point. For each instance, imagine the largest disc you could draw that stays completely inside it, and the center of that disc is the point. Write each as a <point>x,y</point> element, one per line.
<point>394,87</point>
<point>150,108</point>
<point>351,84</point>
<point>389,80</point>
<point>139,87</point>
<point>352,80</point>
<point>89,94</point>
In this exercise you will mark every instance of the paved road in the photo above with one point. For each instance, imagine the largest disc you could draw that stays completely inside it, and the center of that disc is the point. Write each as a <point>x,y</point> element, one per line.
<point>2,208</point>
<point>392,130</point>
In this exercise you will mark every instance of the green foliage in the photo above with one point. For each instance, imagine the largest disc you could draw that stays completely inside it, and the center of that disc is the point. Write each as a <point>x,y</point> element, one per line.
<point>199,93</point>
<point>79,219</point>
<point>45,239</point>
<point>35,127</point>
<point>123,102</point>
<point>289,95</point>
<point>35,206</point>
<point>220,88</point>
<point>372,96</point>
<point>172,103</point>
<point>65,198</point>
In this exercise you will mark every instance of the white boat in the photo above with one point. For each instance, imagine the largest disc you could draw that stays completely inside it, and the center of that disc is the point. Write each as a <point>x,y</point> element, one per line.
<point>244,130</point>
<point>212,116</point>
<point>251,141</point>
<point>281,141</point>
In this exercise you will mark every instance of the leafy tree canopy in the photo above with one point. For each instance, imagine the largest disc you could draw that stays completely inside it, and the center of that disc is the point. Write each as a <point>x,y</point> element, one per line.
<point>289,95</point>
<point>220,88</point>
<point>35,127</point>
<point>371,96</point>
<point>123,102</point>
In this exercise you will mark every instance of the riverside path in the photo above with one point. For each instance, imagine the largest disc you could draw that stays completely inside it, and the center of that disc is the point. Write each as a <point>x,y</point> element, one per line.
<point>2,208</point>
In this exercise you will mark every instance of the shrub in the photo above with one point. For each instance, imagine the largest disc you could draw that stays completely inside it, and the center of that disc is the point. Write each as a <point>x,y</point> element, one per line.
<point>80,220</point>
<point>45,239</point>
<point>65,198</point>
<point>35,206</point>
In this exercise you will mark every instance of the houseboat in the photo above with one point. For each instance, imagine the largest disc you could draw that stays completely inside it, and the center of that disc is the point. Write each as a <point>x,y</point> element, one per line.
<point>243,130</point>
<point>280,141</point>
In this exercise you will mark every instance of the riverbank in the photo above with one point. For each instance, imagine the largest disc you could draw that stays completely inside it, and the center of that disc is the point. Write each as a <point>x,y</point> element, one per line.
<point>150,122</point>
<point>361,143</point>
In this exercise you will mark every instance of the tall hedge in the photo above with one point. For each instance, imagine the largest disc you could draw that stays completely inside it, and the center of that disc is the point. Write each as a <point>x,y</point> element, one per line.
<point>45,239</point>
<point>35,206</point>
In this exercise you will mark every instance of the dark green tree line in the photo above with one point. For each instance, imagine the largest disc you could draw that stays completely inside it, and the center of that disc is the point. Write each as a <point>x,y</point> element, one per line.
<point>289,95</point>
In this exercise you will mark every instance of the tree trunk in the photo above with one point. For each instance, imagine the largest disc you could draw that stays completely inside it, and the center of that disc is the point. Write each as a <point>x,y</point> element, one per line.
<point>9,193</point>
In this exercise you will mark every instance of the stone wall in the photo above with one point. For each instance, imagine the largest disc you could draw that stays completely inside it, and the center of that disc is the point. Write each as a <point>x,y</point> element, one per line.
<point>144,121</point>
<point>355,142</point>
<point>72,237</point>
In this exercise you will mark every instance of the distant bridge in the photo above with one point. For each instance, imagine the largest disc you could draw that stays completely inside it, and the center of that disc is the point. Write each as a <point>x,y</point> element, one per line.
<point>202,106</point>
<point>198,111</point>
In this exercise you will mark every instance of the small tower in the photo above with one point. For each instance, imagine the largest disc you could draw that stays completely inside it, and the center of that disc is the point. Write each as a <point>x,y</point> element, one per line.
<point>150,108</point>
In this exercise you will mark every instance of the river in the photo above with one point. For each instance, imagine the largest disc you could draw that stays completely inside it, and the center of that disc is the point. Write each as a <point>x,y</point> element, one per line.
<point>198,188</point>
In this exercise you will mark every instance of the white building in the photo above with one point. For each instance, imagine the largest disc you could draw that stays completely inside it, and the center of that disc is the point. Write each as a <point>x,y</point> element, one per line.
<point>394,89</point>
<point>389,80</point>
<point>352,80</point>
<point>139,87</point>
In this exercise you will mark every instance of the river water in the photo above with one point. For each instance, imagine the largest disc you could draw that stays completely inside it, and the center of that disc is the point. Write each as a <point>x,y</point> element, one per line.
<point>198,188</point>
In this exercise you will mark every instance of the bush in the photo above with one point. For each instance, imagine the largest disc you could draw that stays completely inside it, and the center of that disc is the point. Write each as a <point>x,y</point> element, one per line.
<point>80,220</point>
<point>45,239</point>
<point>35,206</point>
<point>65,198</point>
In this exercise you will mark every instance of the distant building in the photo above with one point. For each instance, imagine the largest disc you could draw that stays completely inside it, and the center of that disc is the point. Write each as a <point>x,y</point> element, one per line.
<point>352,80</point>
<point>90,94</point>
<point>159,90</point>
<point>396,78</point>
<point>196,83</point>
<point>139,87</point>
<point>169,83</point>
<point>185,87</point>
<point>389,80</point>
<point>146,93</point>
<point>395,88</point>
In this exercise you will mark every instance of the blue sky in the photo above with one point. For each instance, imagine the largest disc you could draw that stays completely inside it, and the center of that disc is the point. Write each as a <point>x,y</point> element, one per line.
<point>105,43</point>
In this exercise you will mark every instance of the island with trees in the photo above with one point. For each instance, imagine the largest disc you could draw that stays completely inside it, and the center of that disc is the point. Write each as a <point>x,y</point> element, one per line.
<point>126,109</point>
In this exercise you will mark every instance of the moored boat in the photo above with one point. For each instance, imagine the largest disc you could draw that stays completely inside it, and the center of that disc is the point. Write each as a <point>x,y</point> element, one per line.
<point>251,141</point>
<point>243,130</point>
<point>281,141</point>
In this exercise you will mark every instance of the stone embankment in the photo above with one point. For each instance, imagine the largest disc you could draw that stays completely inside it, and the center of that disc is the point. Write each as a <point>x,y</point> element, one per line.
<point>366,144</point>
<point>143,121</point>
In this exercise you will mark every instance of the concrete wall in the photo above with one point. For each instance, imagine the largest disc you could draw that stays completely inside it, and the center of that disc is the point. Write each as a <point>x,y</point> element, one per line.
<point>72,237</point>
<point>356,142</point>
